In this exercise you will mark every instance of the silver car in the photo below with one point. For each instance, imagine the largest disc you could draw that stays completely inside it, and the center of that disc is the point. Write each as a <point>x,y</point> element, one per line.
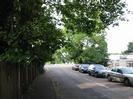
<point>121,74</point>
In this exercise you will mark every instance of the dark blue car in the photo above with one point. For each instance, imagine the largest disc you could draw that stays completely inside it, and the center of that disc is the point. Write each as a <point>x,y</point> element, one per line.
<point>97,70</point>
<point>83,68</point>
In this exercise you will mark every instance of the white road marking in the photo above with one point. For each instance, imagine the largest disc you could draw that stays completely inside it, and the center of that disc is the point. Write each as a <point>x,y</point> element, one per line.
<point>130,97</point>
<point>88,79</point>
<point>99,84</point>
<point>102,85</point>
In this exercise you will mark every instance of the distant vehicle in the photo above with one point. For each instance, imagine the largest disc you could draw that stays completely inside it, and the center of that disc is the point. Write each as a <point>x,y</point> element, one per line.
<point>83,68</point>
<point>97,70</point>
<point>121,74</point>
<point>75,67</point>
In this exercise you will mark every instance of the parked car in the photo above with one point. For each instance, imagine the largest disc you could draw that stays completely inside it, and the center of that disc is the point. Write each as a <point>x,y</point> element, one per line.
<point>121,74</point>
<point>97,70</point>
<point>83,68</point>
<point>75,67</point>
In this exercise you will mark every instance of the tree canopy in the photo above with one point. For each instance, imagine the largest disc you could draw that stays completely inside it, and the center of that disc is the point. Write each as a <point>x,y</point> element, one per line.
<point>27,32</point>
<point>129,48</point>
<point>29,28</point>
<point>82,48</point>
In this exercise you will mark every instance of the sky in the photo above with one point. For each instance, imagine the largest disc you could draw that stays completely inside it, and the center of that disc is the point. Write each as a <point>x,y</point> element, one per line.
<point>118,37</point>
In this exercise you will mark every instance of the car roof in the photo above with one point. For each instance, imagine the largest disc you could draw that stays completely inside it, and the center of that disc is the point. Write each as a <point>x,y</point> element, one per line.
<point>97,64</point>
<point>120,67</point>
<point>84,65</point>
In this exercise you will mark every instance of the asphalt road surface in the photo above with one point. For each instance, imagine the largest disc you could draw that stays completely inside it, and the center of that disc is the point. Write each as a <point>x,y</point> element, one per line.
<point>71,84</point>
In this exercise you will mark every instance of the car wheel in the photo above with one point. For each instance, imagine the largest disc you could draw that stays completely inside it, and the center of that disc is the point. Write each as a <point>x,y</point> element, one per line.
<point>82,71</point>
<point>96,75</point>
<point>89,73</point>
<point>126,82</point>
<point>109,78</point>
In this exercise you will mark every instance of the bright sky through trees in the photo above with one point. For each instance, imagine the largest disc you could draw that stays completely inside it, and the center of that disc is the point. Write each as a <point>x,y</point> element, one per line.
<point>118,37</point>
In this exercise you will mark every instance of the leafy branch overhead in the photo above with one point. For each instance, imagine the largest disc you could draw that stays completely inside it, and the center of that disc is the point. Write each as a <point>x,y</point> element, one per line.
<point>90,16</point>
<point>30,28</point>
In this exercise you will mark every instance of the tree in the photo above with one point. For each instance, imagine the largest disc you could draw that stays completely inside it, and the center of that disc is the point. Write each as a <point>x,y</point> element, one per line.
<point>85,49</point>
<point>129,48</point>
<point>27,32</point>
<point>86,21</point>
<point>91,16</point>
<point>97,52</point>
<point>29,29</point>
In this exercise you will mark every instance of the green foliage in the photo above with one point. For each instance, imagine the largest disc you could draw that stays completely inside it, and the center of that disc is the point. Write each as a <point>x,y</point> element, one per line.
<point>130,48</point>
<point>85,22</point>
<point>84,49</point>
<point>29,30</point>
<point>32,34</point>
<point>35,39</point>
<point>91,16</point>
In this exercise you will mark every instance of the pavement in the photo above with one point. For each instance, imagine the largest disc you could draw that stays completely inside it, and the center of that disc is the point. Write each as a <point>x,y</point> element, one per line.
<point>42,88</point>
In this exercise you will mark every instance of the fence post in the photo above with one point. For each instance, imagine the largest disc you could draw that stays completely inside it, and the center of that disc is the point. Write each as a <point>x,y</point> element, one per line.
<point>0,81</point>
<point>19,87</point>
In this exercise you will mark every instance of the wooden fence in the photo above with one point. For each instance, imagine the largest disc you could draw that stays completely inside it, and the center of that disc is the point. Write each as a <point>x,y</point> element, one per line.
<point>15,79</point>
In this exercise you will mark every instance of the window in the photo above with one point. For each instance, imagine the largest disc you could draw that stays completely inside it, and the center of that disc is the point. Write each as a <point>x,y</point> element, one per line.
<point>119,71</point>
<point>114,70</point>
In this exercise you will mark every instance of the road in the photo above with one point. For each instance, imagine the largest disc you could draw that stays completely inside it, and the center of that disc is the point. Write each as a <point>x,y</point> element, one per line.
<point>71,84</point>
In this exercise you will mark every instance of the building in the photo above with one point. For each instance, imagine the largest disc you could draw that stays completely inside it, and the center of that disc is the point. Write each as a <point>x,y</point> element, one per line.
<point>120,60</point>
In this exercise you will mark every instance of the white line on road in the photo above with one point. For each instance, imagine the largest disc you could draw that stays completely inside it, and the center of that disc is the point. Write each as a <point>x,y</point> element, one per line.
<point>102,85</point>
<point>130,97</point>
<point>99,84</point>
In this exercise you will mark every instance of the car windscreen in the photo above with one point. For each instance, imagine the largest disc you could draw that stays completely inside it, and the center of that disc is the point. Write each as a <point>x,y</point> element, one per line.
<point>100,67</point>
<point>85,66</point>
<point>127,70</point>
